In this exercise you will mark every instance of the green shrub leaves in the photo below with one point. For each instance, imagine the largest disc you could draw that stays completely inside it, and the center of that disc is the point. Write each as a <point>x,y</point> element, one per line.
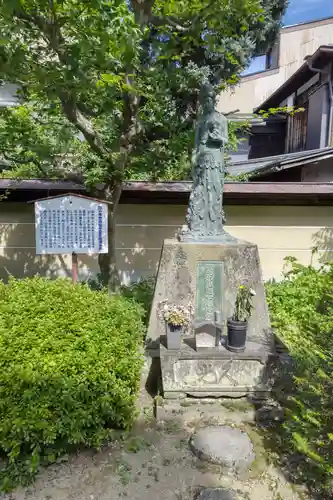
<point>301,308</point>
<point>69,370</point>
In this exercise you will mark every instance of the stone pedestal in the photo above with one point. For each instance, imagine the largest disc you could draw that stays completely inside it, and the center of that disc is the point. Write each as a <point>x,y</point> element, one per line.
<point>208,275</point>
<point>216,372</point>
<point>177,283</point>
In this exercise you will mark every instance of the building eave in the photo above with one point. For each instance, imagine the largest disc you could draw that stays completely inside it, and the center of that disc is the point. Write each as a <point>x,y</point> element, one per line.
<point>261,166</point>
<point>76,195</point>
<point>319,59</point>
<point>177,193</point>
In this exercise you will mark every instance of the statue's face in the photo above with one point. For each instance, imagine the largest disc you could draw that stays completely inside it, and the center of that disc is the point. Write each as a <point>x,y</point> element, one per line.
<point>209,104</point>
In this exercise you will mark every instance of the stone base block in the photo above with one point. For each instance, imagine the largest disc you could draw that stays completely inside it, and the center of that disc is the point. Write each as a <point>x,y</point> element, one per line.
<point>217,411</point>
<point>217,372</point>
<point>207,275</point>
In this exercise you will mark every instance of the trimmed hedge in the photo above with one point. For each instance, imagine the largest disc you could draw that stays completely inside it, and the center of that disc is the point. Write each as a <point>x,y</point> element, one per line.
<point>69,370</point>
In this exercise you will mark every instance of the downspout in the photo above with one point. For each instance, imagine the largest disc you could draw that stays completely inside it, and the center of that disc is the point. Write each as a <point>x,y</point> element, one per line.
<point>330,97</point>
<point>330,116</point>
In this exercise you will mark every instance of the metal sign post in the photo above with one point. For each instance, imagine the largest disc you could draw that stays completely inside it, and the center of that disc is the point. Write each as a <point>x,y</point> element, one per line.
<point>75,268</point>
<point>71,224</point>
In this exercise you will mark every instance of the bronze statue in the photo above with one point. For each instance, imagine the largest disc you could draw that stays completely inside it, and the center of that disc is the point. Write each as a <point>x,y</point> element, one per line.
<point>205,216</point>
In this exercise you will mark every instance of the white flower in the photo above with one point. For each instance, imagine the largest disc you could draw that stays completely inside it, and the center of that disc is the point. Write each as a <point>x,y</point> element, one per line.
<point>252,292</point>
<point>175,313</point>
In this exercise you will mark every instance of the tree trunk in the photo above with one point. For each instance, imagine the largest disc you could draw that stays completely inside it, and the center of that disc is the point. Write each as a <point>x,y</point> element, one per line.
<point>107,261</point>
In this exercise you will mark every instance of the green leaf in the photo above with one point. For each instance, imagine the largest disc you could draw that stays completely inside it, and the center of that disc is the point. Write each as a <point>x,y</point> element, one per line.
<point>68,376</point>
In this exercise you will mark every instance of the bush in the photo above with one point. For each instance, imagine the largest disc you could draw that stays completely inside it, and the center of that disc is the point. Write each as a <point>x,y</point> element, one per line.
<point>97,283</point>
<point>301,310</point>
<point>69,370</point>
<point>141,291</point>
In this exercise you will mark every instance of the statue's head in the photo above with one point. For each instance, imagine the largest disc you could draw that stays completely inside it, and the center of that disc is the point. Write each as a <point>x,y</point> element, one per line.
<point>207,97</point>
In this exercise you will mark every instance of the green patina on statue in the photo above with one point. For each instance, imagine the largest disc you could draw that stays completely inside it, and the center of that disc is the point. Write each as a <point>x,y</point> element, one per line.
<point>205,215</point>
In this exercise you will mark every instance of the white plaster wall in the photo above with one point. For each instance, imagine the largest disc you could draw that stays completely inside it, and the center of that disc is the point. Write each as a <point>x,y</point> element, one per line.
<point>279,231</point>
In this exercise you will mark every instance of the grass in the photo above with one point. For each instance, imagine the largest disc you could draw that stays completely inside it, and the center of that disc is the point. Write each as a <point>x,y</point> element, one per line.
<point>124,471</point>
<point>241,404</point>
<point>134,444</point>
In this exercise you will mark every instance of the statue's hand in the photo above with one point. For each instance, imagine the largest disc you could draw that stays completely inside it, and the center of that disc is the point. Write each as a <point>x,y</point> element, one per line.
<point>215,134</point>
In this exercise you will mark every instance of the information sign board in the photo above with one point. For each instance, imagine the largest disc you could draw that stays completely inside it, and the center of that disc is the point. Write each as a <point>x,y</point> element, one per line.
<point>71,224</point>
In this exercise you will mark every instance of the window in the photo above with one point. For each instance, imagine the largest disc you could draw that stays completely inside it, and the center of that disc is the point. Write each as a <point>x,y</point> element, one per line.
<point>257,64</point>
<point>264,62</point>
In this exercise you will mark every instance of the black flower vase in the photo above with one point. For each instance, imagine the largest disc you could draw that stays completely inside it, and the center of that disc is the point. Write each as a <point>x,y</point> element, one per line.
<point>237,331</point>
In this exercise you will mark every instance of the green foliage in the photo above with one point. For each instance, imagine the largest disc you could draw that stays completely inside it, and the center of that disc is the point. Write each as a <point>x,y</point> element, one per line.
<point>243,304</point>
<point>116,85</point>
<point>125,75</point>
<point>141,291</point>
<point>301,309</point>
<point>69,371</point>
<point>34,144</point>
<point>290,110</point>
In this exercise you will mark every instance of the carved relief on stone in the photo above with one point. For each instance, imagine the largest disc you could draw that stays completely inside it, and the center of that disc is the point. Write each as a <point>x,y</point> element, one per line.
<point>218,373</point>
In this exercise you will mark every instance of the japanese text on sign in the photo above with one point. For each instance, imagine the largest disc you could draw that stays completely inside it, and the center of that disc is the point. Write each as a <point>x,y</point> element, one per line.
<point>71,224</point>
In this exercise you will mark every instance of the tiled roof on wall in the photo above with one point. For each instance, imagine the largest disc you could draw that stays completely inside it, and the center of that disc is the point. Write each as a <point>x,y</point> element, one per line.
<point>269,164</point>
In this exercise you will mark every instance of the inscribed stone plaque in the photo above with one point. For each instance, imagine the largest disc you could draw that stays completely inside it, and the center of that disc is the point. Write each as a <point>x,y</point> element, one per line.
<point>208,289</point>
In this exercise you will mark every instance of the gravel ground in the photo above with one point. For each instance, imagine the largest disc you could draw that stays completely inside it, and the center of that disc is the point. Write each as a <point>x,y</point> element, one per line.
<point>154,462</point>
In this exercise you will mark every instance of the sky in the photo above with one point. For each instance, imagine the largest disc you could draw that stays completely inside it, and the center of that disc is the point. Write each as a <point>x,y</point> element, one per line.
<point>299,11</point>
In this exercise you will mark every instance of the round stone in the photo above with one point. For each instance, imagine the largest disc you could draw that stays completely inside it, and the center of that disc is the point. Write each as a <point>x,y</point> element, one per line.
<point>223,445</point>
<point>216,494</point>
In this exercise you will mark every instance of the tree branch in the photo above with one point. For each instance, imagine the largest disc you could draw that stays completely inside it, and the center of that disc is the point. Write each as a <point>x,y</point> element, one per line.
<point>171,24</point>
<point>51,31</point>
<point>131,125</point>
<point>75,111</point>
<point>84,109</point>
<point>142,11</point>
<point>21,161</point>
<point>75,116</point>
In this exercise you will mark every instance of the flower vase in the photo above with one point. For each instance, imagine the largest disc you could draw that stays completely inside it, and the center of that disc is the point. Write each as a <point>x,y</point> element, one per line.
<point>174,335</point>
<point>237,331</point>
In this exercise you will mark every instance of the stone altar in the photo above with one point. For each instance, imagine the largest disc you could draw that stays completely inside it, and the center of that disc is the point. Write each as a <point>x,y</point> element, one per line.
<point>205,267</point>
<point>213,371</point>
<point>217,372</point>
